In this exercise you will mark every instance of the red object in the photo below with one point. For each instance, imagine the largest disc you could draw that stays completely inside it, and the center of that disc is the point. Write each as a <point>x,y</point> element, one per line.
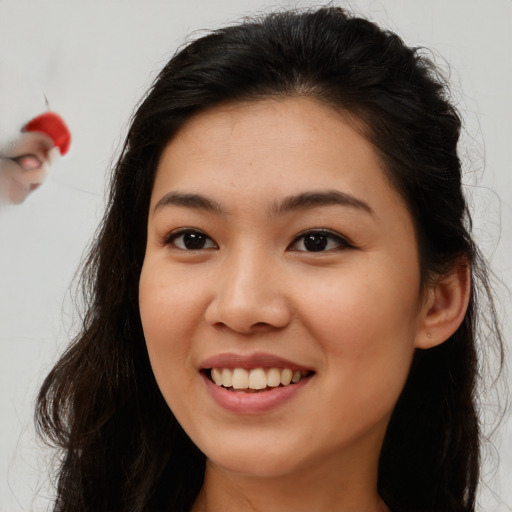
<point>53,125</point>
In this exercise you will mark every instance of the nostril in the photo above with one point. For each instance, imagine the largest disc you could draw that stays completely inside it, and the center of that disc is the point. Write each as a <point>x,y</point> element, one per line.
<point>261,325</point>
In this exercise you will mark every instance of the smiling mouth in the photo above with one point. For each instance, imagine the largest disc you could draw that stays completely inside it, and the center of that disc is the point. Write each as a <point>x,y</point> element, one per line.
<point>255,380</point>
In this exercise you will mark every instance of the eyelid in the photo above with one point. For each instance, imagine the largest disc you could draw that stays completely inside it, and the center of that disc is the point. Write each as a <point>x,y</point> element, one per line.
<point>344,242</point>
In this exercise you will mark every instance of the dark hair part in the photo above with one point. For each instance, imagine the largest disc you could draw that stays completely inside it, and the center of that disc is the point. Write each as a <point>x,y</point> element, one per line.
<point>122,447</point>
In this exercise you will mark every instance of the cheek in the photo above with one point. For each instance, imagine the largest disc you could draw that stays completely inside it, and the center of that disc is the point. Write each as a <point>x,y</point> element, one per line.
<point>170,310</point>
<point>159,311</point>
<point>366,325</point>
<point>170,315</point>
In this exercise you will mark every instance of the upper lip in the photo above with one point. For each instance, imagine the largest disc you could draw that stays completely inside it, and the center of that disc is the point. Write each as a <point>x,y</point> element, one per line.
<point>250,361</point>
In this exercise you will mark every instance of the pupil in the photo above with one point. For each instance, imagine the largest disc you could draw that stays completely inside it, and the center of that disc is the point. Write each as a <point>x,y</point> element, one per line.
<point>315,242</point>
<point>194,240</point>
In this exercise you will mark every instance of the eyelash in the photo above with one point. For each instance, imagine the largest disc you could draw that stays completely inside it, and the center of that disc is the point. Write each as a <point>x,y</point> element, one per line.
<point>325,235</point>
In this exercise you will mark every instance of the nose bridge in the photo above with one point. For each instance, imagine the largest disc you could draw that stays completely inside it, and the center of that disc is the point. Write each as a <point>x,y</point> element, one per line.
<point>247,273</point>
<point>248,292</point>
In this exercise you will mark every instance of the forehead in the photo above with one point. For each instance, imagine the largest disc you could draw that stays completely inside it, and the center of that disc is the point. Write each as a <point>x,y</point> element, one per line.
<point>287,124</point>
<point>279,140</point>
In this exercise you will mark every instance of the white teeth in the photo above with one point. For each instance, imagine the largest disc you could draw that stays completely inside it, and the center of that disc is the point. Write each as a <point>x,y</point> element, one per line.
<point>257,378</point>
<point>286,377</point>
<point>273,377</point>
<point>240,378</point>
<point>217,376</point>
<point>227,378</point>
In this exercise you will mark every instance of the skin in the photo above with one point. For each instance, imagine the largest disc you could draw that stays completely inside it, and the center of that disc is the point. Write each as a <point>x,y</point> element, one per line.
<point>353,313</point>
<point>24,166</point>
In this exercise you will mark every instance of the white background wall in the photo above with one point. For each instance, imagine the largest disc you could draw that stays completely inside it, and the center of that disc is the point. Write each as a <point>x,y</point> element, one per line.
<point>94,59</point>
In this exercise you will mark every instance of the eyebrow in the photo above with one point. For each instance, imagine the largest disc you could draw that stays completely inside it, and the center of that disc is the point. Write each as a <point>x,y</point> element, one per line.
<point>306,200</point>
<point>301,201</point>
<point>195,201</point>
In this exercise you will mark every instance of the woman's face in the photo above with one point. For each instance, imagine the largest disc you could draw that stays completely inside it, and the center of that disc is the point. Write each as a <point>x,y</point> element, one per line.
<point>278,248</point>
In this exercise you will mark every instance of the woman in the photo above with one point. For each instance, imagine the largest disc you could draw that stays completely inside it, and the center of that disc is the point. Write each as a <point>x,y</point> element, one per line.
<point>282,298</point>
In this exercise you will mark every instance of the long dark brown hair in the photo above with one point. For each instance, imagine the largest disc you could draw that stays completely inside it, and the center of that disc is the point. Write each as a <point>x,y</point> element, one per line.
<point>121,447</point>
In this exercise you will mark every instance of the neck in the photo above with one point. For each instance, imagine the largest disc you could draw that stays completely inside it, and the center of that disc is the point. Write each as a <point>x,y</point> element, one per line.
<point>323,489</point>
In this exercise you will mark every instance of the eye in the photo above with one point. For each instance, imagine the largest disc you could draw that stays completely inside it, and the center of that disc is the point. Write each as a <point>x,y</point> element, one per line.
<point>319,240</point>
<point>190,240</point>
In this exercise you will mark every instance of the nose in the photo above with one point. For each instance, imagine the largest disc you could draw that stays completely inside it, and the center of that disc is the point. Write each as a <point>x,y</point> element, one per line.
<point>249,295</point>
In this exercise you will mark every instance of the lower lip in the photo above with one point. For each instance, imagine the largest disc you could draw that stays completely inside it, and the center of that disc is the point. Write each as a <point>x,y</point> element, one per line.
<point>253,403</point>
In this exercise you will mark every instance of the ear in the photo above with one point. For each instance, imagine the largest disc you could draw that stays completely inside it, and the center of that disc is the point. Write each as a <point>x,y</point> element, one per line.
<point>444,307</point>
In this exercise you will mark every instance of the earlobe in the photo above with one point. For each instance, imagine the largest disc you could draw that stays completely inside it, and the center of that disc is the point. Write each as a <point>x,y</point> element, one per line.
<point>445,307</point>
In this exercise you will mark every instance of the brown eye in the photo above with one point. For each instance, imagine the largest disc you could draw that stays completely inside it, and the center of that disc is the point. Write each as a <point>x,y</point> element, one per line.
<point>191,240</point>
<point>319,241</point>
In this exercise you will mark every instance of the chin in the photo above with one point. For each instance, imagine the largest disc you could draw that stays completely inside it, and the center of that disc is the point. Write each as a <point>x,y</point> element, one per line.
<point>257,466</point>
<point>262,460</point>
